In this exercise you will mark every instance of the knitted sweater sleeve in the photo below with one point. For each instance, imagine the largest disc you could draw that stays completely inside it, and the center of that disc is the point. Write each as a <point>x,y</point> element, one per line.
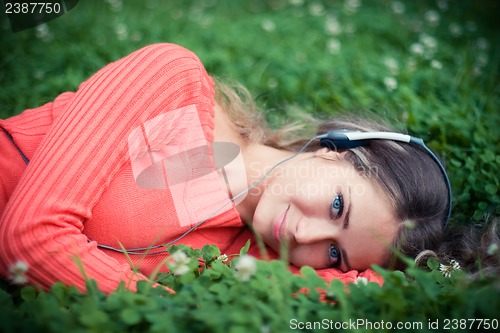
<point>87,145</point>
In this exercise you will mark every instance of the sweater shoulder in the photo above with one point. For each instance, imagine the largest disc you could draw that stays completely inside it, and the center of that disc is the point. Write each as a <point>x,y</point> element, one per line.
<point>161,54</point>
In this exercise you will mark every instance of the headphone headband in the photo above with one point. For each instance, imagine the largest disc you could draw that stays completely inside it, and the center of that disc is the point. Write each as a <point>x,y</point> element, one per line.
<point>346,139</point>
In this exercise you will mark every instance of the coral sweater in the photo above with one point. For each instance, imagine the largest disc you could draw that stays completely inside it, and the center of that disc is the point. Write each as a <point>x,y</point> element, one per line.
<point>96,174</point>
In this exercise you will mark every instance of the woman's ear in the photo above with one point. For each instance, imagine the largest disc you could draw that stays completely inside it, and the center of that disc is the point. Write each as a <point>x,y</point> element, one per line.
<point>329,154</point>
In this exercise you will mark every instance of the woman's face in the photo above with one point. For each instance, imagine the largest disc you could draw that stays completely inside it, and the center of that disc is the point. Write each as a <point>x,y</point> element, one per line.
<point>325,213</point>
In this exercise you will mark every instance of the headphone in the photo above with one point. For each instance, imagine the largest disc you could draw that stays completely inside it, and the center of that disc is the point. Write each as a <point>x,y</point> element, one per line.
<point>345,139</point>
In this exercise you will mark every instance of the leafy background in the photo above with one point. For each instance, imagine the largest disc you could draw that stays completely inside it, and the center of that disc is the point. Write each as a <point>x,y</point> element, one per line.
<point>430,67</point>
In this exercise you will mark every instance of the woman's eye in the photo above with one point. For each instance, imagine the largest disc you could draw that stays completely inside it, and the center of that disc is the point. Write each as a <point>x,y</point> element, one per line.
<point>337,206</point>
<point>334,255</point>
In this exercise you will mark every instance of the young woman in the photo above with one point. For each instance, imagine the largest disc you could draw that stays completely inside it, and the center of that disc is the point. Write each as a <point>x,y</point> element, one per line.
<point>148,151</point>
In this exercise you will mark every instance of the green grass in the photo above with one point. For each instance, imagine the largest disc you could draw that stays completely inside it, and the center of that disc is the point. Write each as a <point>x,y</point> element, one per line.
<point>216,299</point>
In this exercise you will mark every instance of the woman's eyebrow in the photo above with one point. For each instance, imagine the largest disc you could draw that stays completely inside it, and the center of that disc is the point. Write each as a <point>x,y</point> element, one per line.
<point>345,226</point>
<point>345,259</point>
<point>348,212</point>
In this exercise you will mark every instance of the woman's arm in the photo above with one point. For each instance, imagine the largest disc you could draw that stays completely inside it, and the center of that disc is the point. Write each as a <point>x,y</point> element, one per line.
<point>87,145</point>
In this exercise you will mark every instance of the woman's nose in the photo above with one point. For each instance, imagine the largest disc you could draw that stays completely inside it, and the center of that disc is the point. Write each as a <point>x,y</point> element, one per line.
<point>315,230</point>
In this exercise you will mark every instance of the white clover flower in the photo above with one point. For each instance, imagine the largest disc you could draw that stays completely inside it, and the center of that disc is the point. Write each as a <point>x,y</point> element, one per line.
<point>482,43</point>
<point>352,6</point>
<point>448,269</point>
<point>42,32</point>
<point>492,249</point>
<point>333,45</point>
<point>432,17</point>
<point>398,7</point>
<point>116,5</point>
<point>272,83</point>
<point>135,36</point>
<point>436,64</point>
<point>206,21</point>
<point>392,64</point>
<point>390,83</point>
<point>410,224</point>
<point>245,268</point>
<point>180,270</point>
<point>361,281</point>
<point>39,74</point>
<point>428,41</point>
<point>417,49</point>
<point>223,257</point>
<point>455,29</point>
<point>179,265</point>
<point>180,257</point>
<point>333,26</point>
<point>296,2</point>
<point>268,25</point>
<point>121,31</point>
<point>442,4</point>
<point>18,272</point>
<point>316,9</point>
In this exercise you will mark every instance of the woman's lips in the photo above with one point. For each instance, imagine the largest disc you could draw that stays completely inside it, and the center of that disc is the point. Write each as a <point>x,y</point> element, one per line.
<point>278,225</point>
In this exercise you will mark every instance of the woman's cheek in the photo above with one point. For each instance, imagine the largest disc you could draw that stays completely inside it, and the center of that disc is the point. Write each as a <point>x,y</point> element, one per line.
<point>308,256</point>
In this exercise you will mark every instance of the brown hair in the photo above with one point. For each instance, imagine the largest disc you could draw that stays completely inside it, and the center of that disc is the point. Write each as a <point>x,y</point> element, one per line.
<point>236,100</point>
<point>412,180</point>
